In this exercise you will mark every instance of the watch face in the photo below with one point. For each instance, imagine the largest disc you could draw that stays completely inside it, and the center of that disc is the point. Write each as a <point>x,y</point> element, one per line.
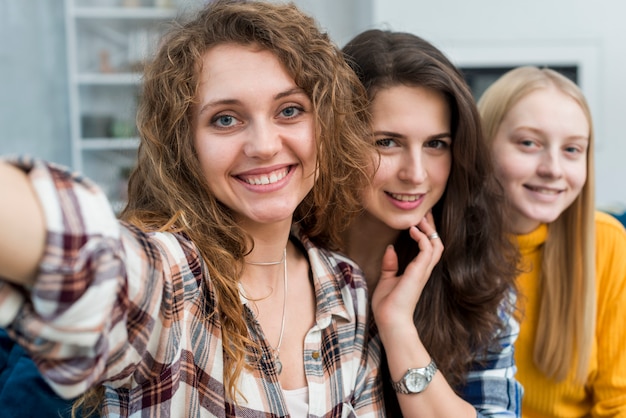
<point>416,381</point>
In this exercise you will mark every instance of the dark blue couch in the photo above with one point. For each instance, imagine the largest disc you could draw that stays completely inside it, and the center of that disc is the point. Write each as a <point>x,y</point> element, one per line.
<point>23,392</point>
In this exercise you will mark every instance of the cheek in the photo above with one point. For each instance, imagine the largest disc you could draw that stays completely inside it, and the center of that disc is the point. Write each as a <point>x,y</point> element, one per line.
<point>509,170</point>
<point>367,197</point>
<point>214,169</point>
<point>385,172</point>
<point>578,177</point>
<point>380,176</point>
<point>438,170</point>
<point>442,169</point>
<point>304,140</point>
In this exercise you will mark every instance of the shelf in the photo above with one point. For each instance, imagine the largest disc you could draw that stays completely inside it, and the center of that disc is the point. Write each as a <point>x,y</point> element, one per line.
<point>109,79</point>
<point>124,13</point>
<point>107,47</point>
<point>97,144</point>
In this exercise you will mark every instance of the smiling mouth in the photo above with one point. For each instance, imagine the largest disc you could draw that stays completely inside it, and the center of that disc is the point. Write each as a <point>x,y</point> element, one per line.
<point>269,178</point>
<point>405,197</point>
<point>543,190</point>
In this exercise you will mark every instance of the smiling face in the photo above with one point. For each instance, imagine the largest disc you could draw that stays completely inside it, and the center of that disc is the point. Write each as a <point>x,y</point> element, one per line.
<point>540,154</point>
<point>412,132</point>
<point>254,134</point>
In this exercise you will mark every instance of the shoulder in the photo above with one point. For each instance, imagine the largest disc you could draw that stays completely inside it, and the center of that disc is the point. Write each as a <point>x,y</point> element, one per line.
<point>610,233</point>
<point>607,221</point>
<point>610,255</point>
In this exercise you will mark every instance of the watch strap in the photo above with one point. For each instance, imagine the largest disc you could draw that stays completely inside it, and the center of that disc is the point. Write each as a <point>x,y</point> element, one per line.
<point>427,372</point>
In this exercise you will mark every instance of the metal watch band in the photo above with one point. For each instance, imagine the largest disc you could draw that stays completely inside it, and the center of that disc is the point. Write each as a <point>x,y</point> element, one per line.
<point>425,376</point>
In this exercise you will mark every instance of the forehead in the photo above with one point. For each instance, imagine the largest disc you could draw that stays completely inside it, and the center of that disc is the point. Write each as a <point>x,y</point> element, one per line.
<point>411,103</point>
<point>549,108</point>
<point>228,64</point>
<point>540,101</point>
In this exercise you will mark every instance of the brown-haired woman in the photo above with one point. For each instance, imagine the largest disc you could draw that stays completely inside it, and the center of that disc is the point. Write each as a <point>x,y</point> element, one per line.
<point>445,314</point>
<point>205,300</point>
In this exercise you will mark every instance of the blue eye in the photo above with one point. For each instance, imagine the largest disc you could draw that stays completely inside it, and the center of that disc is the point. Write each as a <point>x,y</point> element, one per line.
<point>291,111</point>
<point>225,120</point>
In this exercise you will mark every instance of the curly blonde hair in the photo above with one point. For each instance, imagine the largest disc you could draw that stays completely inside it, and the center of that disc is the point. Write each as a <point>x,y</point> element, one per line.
<point>167,190</point>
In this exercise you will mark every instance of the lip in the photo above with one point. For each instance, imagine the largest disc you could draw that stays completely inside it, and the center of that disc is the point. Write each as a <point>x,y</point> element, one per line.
<point>265,179</point>
<point>542,193</point>
<point>405,201</point>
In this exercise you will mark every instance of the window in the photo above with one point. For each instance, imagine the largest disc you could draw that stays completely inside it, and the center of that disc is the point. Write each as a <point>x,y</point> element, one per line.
<point>479,78</point>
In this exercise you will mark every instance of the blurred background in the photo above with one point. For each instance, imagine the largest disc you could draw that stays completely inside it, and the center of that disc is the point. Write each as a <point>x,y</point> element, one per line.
<point>70,69</point>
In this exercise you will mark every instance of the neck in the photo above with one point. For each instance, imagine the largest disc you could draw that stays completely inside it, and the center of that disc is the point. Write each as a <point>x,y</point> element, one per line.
<point>366,241</point>
<point>269,241</point>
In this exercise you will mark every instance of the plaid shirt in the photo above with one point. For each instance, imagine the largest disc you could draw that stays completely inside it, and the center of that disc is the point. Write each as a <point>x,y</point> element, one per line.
<point>491,386</point>
<point>132,310</point>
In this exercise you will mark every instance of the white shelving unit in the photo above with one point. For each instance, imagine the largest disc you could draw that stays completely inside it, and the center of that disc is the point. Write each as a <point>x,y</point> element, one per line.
<point>107,43</point>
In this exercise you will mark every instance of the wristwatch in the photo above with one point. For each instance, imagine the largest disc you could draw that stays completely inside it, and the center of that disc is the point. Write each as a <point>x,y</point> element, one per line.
<point>415,380</point>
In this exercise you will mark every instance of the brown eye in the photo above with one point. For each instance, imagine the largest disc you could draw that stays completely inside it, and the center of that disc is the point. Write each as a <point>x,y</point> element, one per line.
<point>385,143</point>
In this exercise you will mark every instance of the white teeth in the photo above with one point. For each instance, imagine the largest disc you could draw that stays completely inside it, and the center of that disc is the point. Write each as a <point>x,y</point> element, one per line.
<point>266,179</point>
<point>405,197</point>
<point>544,191</point>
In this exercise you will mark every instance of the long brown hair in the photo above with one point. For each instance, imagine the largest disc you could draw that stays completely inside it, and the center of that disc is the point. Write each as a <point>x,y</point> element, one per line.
<point>167,190</point>
<point>566,325</point>
<point>457,316</point>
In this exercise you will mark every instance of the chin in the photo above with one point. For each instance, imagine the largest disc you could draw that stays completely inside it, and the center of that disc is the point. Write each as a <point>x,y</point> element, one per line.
<point>401,226</point>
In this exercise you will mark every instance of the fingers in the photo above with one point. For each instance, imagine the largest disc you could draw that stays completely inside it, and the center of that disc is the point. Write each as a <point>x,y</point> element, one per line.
<point>427,226</point>
<point>433,236</point>
<point>429,241</point>
<point>389,266</point>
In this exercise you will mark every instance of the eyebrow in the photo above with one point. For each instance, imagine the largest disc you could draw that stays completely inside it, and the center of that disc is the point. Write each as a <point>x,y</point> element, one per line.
<point>538,131</point>
<point>278,96</point>
<point>397,135</point>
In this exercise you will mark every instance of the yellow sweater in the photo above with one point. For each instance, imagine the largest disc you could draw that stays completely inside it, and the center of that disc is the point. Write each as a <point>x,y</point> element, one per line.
<point>604,394</point>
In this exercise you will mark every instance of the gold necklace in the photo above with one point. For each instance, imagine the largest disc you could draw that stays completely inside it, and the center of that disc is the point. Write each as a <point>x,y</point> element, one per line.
<point>276,351</point>
<point>269,263</point>
<point>277,362</point>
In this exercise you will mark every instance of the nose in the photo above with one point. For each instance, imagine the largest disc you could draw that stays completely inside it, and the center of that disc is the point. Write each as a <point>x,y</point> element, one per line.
<point>264,140</point>
<point>550,165</point>
<point>412,168</point>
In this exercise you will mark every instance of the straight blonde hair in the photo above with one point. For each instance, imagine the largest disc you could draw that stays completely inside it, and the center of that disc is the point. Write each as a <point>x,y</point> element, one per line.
<point>566,324</point>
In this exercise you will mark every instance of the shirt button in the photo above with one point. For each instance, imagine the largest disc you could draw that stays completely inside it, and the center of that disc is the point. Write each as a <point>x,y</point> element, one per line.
<point>315,355</point>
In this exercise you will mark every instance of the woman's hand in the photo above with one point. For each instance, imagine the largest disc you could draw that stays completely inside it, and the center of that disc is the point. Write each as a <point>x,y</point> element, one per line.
<point>395,297</point>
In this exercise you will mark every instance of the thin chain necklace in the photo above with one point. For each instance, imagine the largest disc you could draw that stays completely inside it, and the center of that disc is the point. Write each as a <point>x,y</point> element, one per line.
<point>269,263</point>
<point>277,362</point>
<point>276,351</point>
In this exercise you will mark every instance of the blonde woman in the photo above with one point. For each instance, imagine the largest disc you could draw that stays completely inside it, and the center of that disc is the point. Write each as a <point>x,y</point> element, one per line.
<point>570,351</point>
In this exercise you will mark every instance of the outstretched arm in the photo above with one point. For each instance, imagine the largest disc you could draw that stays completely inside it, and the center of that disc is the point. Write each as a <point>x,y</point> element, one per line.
<point>22,227</point>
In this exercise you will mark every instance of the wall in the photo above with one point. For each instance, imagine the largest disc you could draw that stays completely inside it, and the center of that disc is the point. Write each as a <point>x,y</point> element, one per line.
<point>591,34</point>
<point>33,81</point>
<point>33,91</point>
<point>341,18</point>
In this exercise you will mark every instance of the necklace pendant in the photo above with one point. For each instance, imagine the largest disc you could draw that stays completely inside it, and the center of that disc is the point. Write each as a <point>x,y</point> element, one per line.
<point>278,365</point>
